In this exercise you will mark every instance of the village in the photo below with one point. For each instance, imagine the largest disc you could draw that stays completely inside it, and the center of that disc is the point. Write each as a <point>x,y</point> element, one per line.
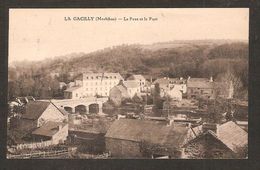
<point>105,115</point>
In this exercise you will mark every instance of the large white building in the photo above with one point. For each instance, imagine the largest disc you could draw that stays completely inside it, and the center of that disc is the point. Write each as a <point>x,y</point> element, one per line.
<point>93,84</point>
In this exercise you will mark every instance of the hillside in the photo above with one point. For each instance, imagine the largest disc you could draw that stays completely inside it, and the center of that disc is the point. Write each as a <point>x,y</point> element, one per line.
<point>174,59</point>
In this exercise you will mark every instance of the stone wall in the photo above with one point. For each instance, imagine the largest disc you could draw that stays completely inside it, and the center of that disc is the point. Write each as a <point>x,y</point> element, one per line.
<point>123,148</point>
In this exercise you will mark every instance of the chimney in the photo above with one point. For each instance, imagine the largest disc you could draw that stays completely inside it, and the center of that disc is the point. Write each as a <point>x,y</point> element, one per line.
<point>211,79</point>
<point>210,126</point>
<point>59,127</point>
<point>170,121</point>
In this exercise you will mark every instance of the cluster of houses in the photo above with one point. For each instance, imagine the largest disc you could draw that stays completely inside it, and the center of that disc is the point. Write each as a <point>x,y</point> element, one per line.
<point>140,136</point>
<point>146,137</point>
<point>113,85</point>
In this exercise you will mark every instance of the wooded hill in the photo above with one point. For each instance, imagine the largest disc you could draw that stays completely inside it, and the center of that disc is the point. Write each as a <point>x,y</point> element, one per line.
<point>203,58</point>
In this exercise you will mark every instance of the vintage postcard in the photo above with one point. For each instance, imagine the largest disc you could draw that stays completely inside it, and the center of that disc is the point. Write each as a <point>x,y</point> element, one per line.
<point>139,83</point>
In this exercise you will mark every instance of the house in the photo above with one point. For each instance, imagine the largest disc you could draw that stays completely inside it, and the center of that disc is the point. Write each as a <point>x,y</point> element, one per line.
<point>140,79</point>
<point>62,85</point>
<point>136,138</point>
<point>132,87</point>
<point>94,84</point>
<point>117,94</point>
<point>39,112</point>
<point>74,93</point>
<point>70,84</point>
<point>174,93</point>
<point>217,141</point>
<point>200,88</point>
<point>56,132</point>
<point>167,84</point>
<point>208,89</point>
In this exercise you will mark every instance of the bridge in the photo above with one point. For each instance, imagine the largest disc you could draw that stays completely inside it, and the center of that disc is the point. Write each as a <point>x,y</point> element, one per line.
<point>83,105</point>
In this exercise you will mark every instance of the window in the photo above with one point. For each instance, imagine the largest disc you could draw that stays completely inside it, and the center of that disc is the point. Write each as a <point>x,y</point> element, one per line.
<point>96,83</point>
<point>86,89</point>
<point>76,94</point>
<point>115,77</point>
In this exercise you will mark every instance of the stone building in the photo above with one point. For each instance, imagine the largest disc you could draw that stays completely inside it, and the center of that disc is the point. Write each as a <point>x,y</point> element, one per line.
<point>200,88</point>
<point>140,80</point>
<point>57,132</point>
<point>97,84</point>
<point>134,138</point>
<point>213,141</point>
<point>117,94</point>
<point>39,112</point>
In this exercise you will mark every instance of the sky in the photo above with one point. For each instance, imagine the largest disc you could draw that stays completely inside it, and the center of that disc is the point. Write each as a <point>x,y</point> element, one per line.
<point>36,34</point>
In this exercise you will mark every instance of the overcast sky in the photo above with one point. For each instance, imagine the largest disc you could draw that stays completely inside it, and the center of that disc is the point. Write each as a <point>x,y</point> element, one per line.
<point>35,34</point>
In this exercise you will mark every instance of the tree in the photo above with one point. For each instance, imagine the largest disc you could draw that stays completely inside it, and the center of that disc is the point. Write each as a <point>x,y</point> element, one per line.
<point>158,102</point>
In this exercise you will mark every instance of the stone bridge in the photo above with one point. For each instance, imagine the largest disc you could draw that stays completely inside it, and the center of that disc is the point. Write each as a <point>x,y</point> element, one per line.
<point>83,105</point>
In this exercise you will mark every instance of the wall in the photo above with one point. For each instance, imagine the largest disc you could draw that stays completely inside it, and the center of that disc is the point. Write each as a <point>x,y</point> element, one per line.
<point>116,96</point>
<point>61,136</point>
<point>51,114</point>
<point>88,142</point>
<point>123,148</point>
<point>200,92</point>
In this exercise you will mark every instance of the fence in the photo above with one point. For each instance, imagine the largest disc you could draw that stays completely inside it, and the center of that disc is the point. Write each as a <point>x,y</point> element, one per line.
<point>42,154</point>
<point>34,145</point>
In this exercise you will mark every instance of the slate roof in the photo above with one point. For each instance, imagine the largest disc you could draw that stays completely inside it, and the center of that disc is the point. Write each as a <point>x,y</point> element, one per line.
<point>34,109</point>
<point>201,83</point>
<point>95,76</point>
<point>49,129</point>
<point>232,135</point>
<point>154,132</point>
<point>229,134</point>
<point>71,89</point>
<point>136,77</point>
<point>166,81</point>
<point>131,84</point>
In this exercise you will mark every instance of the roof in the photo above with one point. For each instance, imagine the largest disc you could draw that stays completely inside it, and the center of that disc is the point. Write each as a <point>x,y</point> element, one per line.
<point>49,129</point>
<point>136,77</point>
<point>203,83</point>
<point>229,134</point>
<point>95,76</point>
<point>71,89</point>
<point>131,84</point>
<point>155,132</point>
<point>232,135</point>
<point>34,109</point>
<point>166,81</point>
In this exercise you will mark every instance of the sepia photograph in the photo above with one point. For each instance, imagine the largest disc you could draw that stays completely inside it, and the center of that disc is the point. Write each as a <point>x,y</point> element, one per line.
<point>128,83</point>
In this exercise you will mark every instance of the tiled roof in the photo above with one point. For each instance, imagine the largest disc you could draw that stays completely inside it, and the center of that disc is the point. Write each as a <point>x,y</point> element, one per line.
<point>131,84</point>
<point>154,132</point>
<point>34,109</point>
<point>48,129</point>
